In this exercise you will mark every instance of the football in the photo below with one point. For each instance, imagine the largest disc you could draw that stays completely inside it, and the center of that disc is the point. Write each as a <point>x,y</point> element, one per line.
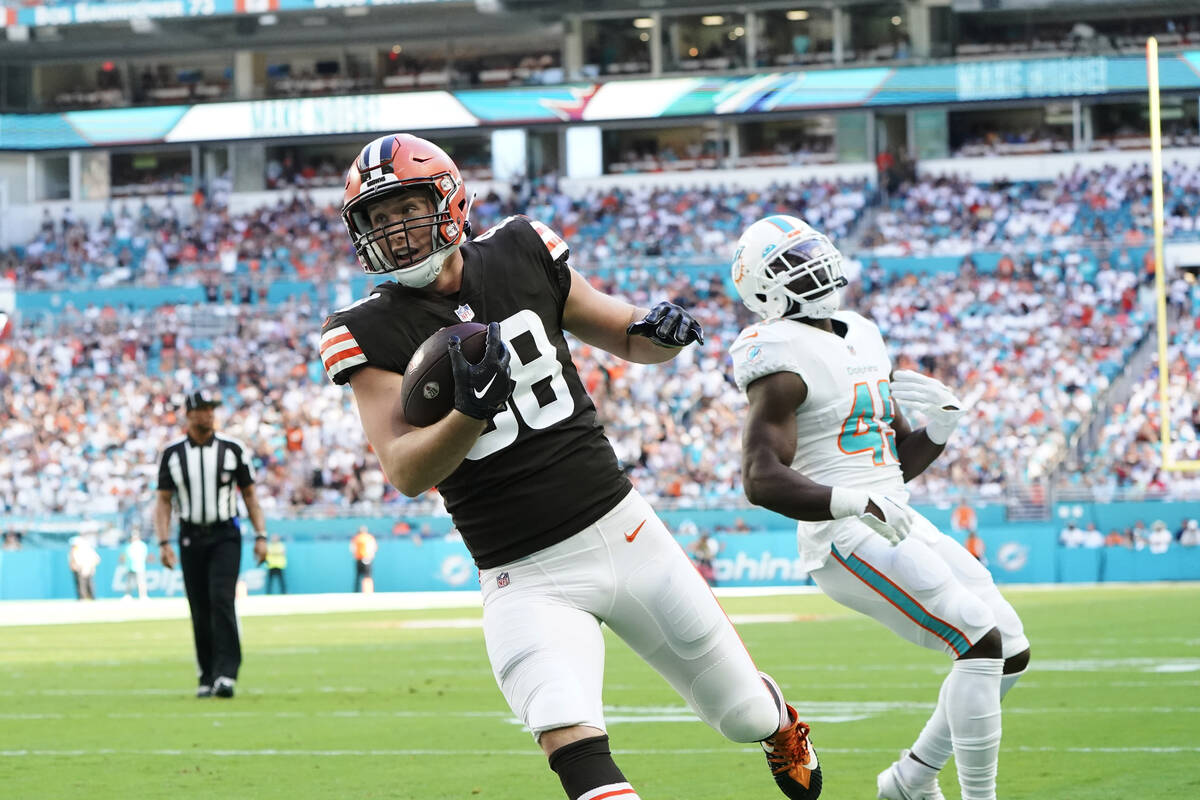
<point>428,393</point>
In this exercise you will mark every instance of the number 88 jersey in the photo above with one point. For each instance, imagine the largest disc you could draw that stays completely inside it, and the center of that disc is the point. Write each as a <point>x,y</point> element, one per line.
<point>844,434</point>
<point>543,469</point>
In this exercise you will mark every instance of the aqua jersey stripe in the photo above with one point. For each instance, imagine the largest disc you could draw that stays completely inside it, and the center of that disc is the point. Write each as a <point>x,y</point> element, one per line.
<point>908,606</point>
<point>781,223</point>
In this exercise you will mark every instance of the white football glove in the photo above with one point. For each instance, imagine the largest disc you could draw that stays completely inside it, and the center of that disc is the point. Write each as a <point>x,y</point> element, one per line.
<point>897,516</point>
<point>929,396</point>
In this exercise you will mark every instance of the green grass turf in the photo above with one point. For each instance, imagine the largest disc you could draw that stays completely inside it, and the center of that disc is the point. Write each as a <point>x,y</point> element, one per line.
<point>358,707</point>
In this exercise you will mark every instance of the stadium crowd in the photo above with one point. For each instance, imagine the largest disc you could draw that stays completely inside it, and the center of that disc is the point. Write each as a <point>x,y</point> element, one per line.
<point>92,393</point>
<point>951,215</point>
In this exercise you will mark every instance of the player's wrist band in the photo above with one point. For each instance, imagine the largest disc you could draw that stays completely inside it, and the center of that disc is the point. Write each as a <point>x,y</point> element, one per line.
<point>939,431</point>
<point>847,502</point>
<point>262,536</point>
<point>163,542</point>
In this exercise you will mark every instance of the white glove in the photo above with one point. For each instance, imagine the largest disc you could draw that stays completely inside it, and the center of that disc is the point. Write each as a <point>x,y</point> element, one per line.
<point>897,516</point>
<point>929,396</point>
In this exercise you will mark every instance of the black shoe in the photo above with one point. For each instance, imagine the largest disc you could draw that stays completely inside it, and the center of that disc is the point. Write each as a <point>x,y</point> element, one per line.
<point>223,687</point>
<point>203,691</point>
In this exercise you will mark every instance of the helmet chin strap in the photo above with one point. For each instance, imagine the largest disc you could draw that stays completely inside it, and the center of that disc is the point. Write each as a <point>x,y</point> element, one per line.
<point>823,308</point>
<point>421,275</point>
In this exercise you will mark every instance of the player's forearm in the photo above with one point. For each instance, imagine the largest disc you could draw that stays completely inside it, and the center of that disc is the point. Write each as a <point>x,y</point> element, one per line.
<point>643,351</point>
<point>162,521</point>
<point>775,486</point>
<point>917,452</point>
<point>615,339</point>
<point>424,457</point>
<point>257,519</point>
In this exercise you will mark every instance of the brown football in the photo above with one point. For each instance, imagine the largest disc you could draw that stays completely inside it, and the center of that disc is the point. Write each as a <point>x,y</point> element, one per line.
<point>428,393</point>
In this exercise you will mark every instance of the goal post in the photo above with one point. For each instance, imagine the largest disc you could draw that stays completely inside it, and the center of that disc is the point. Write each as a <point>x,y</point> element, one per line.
<point>1169,461</point>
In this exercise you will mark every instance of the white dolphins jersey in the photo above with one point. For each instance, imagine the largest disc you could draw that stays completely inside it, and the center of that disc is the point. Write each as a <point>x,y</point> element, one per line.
<point>844,434</point>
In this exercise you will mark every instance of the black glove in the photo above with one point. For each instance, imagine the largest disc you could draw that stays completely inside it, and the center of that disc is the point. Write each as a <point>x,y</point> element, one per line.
<point>668,325</point>
<point>481,390</point>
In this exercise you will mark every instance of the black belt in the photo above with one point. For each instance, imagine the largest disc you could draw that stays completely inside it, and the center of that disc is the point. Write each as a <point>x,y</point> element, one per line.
<point>196,527</point>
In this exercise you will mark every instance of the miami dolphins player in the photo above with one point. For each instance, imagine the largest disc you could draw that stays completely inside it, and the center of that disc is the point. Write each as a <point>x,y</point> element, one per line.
<point>826,443</point>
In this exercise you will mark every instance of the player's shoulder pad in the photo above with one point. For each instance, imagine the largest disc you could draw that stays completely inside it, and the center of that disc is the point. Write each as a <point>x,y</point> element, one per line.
<point>763,349</point>
<point>529,230</point>
<point>340,349</point>
<point>853,319</point>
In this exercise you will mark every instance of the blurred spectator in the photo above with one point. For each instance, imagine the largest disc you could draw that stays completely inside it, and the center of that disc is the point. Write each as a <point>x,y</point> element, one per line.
<point>1071,536</point>
<point>363,547</point>
<point>276,562</point>
<point>1160,537</point>
<point>83,560</point>
<point>1116,538</point>
<point>1093,539</point>
<point>976,547</point>
<point>963,518</point>
<point>133,559</point>
<point>1190,535</point>
<point>704,553</point>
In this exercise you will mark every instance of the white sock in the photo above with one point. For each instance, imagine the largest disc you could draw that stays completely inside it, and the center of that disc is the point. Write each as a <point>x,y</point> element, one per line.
<point>973,711</point>
<point>933,745</point>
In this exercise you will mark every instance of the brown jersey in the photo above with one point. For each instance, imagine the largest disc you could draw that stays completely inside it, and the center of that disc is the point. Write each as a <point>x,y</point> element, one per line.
<point>543,469</point>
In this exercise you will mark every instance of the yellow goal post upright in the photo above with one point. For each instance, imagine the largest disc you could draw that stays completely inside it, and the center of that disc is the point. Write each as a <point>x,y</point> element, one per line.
<point>1160,282</point>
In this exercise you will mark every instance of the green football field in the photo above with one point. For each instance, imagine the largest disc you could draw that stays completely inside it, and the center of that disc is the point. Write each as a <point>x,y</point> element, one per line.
<point>403,705</point>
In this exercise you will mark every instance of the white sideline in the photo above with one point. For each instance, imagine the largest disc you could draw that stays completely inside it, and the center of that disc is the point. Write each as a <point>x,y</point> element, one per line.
<point>68,612</point>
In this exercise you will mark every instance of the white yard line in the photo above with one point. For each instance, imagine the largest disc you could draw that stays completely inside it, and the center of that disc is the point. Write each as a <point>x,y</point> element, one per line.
<point>813,711</point>
<point>380,753</point>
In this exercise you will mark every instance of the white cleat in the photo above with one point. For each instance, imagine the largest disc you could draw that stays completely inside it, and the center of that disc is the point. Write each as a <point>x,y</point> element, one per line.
<point>891,787</point>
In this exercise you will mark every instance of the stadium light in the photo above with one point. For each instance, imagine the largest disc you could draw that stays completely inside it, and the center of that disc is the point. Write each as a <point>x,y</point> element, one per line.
<point>797,15</point>
<point>712,20</point>
<point>643,22</point>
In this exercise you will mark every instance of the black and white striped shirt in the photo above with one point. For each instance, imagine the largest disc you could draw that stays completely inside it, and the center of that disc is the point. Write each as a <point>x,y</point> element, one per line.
<point>206,478</point>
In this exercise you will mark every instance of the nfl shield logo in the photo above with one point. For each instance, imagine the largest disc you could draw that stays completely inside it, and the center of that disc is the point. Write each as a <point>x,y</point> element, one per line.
<point>465,313</point>
<point>502,580</point>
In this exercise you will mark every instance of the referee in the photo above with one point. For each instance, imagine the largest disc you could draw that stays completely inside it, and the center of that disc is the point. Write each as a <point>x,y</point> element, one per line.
<point>199,473</point>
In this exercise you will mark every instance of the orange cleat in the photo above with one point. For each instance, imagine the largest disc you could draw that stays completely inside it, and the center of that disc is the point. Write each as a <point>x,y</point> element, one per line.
<point>793,761</point>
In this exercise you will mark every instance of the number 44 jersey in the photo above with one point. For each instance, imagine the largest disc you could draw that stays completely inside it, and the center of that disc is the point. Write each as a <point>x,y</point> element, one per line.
<point>543,469</point>
<point>844,434</point>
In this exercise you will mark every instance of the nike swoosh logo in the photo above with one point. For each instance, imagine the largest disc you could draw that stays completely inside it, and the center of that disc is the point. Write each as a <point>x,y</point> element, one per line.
<point>479,393</point>
<point>629,537</point>
<point>749,335</point>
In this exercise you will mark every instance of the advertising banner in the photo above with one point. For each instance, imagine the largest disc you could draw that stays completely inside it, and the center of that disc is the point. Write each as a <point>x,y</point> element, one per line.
<point>627,99</point>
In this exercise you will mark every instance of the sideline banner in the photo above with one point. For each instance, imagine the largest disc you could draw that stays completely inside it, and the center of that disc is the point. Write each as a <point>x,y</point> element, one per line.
<point>1017,555</point>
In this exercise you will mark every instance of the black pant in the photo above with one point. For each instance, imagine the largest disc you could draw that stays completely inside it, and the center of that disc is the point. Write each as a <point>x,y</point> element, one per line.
<point>211,559</point>
<point>85,586</point>
<point>272,574</point>
<point>362,569</point>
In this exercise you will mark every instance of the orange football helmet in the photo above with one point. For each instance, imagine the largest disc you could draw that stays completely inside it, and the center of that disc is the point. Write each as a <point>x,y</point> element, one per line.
<point>386,167</point>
